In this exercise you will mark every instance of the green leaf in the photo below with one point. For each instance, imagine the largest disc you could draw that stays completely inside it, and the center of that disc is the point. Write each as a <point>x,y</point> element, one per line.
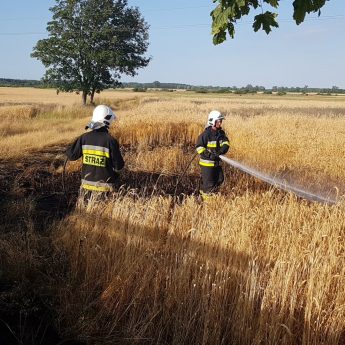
<point>273,3</point>
<point>227,12</point>
<point>219,38</point>
<point>231,30</point>
<point>241,3</point>
<point>302,7</point>
<point>265,21</point>
<point>220,19</point>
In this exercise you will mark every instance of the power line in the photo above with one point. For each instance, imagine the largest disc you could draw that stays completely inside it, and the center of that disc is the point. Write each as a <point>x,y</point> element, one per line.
<point>186,26</point>
<point>148,10</point>
<point>240,22</point>
<point>176,8</point>
<point>22,33</point>
<point>182,26</point>
<point>19,19</point>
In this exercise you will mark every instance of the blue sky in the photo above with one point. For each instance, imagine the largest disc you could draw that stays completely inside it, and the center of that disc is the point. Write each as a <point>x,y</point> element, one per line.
<point>182,51</point>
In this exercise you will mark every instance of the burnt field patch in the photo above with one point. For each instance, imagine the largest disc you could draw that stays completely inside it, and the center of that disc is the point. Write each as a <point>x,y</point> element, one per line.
<point>49,186</point>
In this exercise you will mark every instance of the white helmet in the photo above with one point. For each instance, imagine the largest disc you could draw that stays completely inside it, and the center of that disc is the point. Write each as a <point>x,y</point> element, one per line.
<point>213,116</point>
<point>102,116</point>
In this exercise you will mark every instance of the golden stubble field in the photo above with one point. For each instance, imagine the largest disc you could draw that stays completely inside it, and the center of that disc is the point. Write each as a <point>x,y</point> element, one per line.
<point>252,266</point>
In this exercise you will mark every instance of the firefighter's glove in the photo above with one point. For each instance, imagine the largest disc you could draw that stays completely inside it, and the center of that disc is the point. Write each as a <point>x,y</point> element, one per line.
<point>214,157</point>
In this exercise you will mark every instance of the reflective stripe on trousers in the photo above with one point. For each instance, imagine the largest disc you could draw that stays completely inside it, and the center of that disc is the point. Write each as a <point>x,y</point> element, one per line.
<point>97,186</point>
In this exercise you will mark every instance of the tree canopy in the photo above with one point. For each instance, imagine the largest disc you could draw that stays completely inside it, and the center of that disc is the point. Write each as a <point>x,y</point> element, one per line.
<point>228,12</point>
<point>90,44</point>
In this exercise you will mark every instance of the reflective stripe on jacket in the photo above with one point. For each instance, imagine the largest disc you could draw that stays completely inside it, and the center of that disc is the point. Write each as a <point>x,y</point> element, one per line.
<point>101,159</point>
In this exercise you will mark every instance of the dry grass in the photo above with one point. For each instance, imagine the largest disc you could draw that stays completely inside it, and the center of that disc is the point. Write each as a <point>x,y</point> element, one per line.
<point>239,273</point>
<point>24,95</point>
<point>252,266</point>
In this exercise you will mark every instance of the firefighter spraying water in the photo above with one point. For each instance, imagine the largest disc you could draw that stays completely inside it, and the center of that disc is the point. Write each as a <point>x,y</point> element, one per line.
<point>210,144</point>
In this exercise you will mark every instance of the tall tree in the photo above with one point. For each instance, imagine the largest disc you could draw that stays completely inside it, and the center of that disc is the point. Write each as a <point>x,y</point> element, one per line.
<point>227,12</point>
<point>90,44</point>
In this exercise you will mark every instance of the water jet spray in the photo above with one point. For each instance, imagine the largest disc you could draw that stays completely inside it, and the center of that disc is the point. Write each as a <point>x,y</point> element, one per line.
<point>278,183</point>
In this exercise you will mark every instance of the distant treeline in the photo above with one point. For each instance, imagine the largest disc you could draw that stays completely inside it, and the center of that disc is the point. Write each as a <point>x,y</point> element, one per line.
<point>281,90</point>
<point>142,87</point>
<point>158,85</point>
<point>21,83</point>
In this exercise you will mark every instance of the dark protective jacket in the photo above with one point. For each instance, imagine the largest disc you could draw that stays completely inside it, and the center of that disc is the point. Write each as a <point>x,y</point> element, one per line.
<point>102,159</point>
<point>210,144</point>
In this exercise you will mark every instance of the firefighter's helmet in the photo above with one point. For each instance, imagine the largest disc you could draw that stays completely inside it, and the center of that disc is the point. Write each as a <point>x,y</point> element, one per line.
<point>102,116</point>
<point>213,116</point>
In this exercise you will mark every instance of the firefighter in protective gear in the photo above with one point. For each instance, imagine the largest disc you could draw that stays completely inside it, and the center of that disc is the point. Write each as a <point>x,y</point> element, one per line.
<point>210,144</point>
<point>102,159</point>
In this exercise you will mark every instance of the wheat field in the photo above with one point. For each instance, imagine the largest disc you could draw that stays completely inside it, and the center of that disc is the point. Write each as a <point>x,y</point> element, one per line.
<point>154,265</point>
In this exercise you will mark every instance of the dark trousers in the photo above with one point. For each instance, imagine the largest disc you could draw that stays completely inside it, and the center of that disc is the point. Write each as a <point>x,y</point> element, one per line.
<point>212,178</point>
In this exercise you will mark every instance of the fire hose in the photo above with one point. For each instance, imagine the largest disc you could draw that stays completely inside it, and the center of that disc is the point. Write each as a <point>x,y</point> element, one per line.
<point>278,183</point>
<point>64,176</point>
<point>184,172</point>
<point>250,171</point>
